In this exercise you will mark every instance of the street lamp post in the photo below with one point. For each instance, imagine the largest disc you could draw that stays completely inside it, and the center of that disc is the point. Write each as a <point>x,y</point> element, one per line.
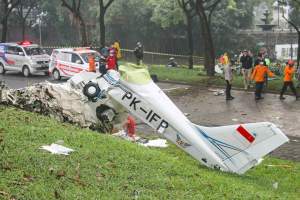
<point>39,23</point>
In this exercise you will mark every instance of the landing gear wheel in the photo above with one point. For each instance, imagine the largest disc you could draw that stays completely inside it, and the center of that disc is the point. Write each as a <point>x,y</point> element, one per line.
<point>91,90</point>
<point>2,70</point>
<point>56,75</point>
<point>26,71</point>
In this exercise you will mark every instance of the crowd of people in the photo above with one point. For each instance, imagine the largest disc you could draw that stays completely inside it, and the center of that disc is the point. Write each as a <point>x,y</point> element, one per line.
<point>257,72</point>
<point>110,55</point>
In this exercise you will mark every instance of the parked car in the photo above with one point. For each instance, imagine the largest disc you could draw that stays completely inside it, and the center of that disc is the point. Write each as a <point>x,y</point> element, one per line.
<point>24,57</point>
<point>68,62</point>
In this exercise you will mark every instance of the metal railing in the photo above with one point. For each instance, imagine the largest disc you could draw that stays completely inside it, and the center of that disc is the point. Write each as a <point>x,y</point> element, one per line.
<point>153,58</point>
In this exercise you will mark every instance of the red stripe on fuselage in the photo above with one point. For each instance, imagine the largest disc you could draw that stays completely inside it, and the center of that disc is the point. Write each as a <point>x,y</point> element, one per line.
<point>245,134</point>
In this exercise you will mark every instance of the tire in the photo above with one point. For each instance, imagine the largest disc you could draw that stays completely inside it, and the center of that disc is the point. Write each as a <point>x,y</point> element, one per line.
<point>56,75</point>
<point>2,70</point>
<point>91,90</point>
<point>26,71</point>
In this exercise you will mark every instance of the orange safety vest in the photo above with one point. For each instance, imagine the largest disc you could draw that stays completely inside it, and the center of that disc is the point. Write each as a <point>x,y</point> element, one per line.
<point>92,65</point>
<point>259,73</point>
<point>288,73</point>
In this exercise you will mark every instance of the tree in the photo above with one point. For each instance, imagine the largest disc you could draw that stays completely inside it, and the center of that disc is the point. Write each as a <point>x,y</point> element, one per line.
<point>292,21</point>
<point>24,9</point>
<point>102,11</point>
<point>227,23</point>
<point>205,9</point>
<point>190,13</point>
<point>7,7</point>
<point>75,10</point>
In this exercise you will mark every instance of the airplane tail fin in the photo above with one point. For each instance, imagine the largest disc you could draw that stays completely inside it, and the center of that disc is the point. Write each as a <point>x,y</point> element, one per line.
<point>242,146</point>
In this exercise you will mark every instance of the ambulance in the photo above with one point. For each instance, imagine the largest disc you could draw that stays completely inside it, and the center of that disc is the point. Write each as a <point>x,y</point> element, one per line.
<point>69,61</point>
<point>24,57</point>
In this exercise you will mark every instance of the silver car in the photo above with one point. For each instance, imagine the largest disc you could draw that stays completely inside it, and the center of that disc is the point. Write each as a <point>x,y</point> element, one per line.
<point>23,57</point>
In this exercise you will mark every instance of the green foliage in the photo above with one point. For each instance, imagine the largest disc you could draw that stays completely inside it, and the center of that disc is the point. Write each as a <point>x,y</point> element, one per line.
<point>166,13</point>
<point>227,22</point>
<point>295,12</point>
<point>103,167</point>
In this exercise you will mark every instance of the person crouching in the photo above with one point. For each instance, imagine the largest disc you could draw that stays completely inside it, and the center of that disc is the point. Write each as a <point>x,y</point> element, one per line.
<point>129,127</point>
<point>289,71</point>
<point>259,75</point>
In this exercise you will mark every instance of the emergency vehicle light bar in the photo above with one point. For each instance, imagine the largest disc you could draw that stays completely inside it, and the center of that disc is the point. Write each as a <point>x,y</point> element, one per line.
<point>25,42</point>
<point>81,48</point>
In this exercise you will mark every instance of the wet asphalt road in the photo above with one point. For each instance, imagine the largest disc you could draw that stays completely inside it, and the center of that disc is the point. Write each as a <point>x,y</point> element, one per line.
<point>203,107</point>
<point>17,80</point>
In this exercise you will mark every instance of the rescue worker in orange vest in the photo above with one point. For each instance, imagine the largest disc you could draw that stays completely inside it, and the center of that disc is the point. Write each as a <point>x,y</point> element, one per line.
<point>92,65</point>
<point>288,80</point>
<point>258,75</point>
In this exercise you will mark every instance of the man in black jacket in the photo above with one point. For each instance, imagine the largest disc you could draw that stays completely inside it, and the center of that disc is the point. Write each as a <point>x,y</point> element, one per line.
<point>247,62</point>
<point>139,53</point>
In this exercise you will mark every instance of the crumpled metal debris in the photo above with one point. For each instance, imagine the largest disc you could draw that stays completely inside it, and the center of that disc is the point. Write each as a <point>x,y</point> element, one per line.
<point>64,103</point>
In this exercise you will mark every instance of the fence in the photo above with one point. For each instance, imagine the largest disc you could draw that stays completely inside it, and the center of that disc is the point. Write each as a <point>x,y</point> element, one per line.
<point>153,58</point>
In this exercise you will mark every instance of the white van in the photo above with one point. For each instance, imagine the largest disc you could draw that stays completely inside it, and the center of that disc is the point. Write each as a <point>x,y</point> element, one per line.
<point>23,57</point>
<point>68,62</point>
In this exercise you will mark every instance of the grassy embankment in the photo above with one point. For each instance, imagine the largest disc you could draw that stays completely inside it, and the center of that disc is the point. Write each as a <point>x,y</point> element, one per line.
<point>104,167</point>
<point>198,76</point>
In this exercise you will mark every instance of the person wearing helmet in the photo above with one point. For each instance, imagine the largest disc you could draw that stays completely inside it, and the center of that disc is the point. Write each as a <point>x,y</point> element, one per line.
<point>259,76</point>
<point>289,71</point>
<point>111,61</point>
<point>172,62</point>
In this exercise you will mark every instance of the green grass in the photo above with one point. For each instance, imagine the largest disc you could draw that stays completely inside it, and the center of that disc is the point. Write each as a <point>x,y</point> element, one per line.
<point>198,76</point>
<point>104,167</point>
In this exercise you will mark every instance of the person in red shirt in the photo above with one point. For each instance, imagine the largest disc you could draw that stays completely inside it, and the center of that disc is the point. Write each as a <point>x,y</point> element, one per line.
<point>289,71</point>
<point>130,126</point>
<point>111,61</point>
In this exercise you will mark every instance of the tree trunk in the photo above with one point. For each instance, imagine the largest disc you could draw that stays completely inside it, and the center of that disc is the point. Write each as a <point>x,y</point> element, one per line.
<point>190,40</point>
<point>23,29</point>
<point>298,51</point>
<point>209,51</point>
<point>102,28</point>
<point>4,29</point>
<point>84,41</point>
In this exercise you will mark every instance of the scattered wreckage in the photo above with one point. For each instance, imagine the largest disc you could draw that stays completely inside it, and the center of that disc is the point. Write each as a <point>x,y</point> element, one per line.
<point>64,103</point>
<point>95,101</point>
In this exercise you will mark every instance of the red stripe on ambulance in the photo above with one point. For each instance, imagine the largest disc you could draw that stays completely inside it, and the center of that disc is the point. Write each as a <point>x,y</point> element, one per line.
<point>245,134</point>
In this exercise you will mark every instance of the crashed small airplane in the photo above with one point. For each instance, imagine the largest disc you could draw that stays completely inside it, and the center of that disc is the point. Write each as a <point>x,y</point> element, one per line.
<point>106,99</point>
<point>234,148</point>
